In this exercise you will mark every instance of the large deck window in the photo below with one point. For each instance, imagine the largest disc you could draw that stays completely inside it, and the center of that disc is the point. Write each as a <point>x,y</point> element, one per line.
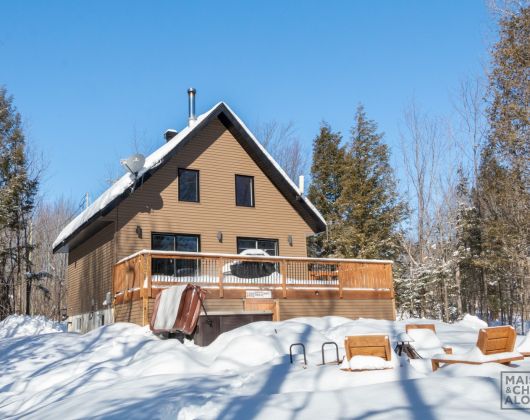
<point>268,245</point>
<point>175,242</point>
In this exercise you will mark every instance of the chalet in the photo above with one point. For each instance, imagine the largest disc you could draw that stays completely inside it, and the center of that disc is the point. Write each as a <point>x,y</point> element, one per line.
<point>211,207</point>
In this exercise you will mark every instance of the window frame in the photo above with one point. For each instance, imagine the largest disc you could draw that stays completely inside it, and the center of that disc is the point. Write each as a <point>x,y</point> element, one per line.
<point>193,235</point>
<point>173,261</point>
<point>248,238</point>
<point>253,192</point>
<point>179,171</point>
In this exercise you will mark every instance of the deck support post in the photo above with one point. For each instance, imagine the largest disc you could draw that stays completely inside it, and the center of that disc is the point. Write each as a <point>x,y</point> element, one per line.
<point>145,310</point>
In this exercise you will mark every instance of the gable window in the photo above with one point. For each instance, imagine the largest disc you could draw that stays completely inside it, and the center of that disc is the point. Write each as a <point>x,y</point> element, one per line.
<point>188,185</point>
<point>270,246</point>
<point>244,191</point>
<point>175,242</point>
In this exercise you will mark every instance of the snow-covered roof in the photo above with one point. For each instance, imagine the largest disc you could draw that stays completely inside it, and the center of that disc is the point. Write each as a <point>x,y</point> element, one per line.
<point>154,160</point>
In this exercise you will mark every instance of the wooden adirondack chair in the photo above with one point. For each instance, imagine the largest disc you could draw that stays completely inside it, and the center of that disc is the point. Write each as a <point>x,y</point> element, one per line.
<point>496,342</point>
<point>408,327</point>
<point>367,345</point>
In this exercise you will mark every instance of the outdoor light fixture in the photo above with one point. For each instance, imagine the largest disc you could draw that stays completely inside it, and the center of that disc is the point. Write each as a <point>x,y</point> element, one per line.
<point>220,236</point>
<point>290,240</point>
<point>139,231</point>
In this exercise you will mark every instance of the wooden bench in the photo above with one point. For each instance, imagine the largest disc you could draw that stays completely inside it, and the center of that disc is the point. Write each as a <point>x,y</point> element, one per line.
<point>408,327</point>
<point>491,341</point>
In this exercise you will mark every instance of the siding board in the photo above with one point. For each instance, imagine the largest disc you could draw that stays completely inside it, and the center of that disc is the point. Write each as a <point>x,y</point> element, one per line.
<point>218,156</point>
<point>90,272</point>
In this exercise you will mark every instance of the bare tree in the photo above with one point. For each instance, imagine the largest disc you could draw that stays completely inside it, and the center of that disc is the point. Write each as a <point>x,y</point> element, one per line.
<point>504,8</point>
<point>470,125</point>
<point>430,170</point>
<point>421,150</point>
<point>48,269</point>
<point>282,142</point>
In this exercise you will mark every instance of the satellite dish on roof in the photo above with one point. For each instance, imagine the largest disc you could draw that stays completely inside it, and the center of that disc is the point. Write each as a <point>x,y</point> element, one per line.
<point>134,163</point>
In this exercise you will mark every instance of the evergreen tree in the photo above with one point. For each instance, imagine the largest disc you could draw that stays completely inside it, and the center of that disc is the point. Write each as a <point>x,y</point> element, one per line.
<point>509,110</point>
<point>504,177</point>
<point>369,203</point>
<point>468,248</point>
<point>17,198</point>
<point>326,188</point>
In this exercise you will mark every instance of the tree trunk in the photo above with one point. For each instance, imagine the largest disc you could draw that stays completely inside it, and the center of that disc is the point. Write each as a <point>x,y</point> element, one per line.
<point>445,297</point>
<point>28,296</point>
<point>458,281</point>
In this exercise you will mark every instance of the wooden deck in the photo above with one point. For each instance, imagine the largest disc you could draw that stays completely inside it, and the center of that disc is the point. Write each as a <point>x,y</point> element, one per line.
<point>135,277</point>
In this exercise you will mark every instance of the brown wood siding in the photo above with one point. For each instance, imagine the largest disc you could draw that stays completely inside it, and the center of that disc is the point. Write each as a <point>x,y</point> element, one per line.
<point>357,308</point>
<point>362,308</point>
<point>130,312</point>
<point>219,157</point>
<point>232,305</point>
<point>133,311</point>
<point>89,274</point>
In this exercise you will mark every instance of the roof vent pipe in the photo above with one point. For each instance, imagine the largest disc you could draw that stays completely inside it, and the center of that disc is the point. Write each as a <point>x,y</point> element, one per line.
<point>191,106</point>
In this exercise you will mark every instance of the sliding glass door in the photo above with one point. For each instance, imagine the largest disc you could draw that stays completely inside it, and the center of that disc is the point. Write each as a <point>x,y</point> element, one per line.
<point>175,242</point>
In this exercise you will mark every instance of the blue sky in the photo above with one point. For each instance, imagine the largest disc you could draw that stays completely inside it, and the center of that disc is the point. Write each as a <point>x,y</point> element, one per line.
<point>88,77</point>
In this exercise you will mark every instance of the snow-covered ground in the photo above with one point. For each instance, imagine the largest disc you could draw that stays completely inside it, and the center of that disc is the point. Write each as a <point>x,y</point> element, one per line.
<point>123,371</point>
<point>23,325</point>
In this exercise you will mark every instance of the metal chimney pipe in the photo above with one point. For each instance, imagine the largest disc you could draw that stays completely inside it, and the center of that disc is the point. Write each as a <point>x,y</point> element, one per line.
<point>301,184</point>
<point>191,106</point>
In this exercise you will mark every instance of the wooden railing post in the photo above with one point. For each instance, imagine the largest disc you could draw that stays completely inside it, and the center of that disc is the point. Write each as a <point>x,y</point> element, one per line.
<point>113,288</point>
<point>341,273</point>
<point>220,264</point>
<point>148,274</point>
<point>126,282</point>
<point>283,273</point>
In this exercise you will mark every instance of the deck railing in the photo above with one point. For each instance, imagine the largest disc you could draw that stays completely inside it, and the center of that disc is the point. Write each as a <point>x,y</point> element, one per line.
<point>144,273</point>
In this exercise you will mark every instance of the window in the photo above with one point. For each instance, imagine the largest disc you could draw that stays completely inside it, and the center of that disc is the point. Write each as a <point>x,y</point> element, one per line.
<point>174,242</point>
<point>188,185</point>
<point>244,191</point>
<point>268,245</point>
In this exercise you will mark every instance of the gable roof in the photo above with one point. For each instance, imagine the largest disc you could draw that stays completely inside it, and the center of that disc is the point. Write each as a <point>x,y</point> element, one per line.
<point>126,184</point>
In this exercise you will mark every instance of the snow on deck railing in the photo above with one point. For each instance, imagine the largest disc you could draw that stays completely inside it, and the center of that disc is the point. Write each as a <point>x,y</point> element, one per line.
<point>253,257</point>
<point>139,274</point>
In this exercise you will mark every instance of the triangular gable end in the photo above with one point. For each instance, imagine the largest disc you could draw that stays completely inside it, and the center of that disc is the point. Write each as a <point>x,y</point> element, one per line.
<point>124,187</point>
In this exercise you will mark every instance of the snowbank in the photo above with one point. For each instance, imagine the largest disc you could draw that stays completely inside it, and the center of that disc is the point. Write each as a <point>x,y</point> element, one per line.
<point>367,363</point>
<point>472,321</point>
<point>123,370</point>
<point>24,325</point>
